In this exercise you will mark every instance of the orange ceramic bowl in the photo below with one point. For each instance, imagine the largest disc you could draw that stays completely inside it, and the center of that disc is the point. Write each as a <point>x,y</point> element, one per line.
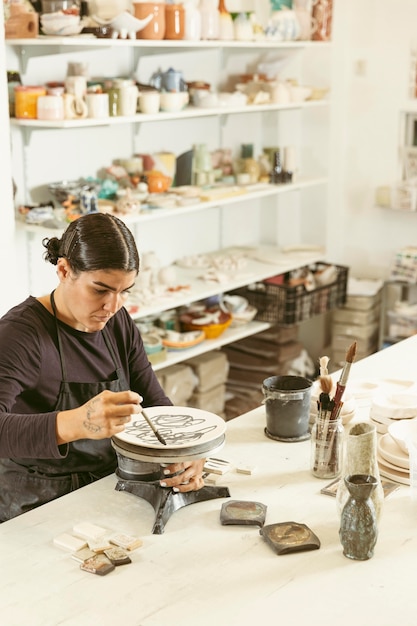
<point>211,331</point>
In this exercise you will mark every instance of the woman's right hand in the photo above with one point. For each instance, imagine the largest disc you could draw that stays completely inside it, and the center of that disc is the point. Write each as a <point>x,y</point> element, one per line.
<point>101,417</point>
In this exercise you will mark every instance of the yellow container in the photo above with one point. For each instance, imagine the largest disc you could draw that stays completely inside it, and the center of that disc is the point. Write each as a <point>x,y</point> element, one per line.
<point>26,98</point>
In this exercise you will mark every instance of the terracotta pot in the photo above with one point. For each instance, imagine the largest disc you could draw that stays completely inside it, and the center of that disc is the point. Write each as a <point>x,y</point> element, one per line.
<point>156,28</point>
<point>174,21</point>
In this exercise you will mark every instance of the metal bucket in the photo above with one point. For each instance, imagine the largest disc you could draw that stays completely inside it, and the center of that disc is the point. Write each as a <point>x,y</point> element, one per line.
<point>287,407</point>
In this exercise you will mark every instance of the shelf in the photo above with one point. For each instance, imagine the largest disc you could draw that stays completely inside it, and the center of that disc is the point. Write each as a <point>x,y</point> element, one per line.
<point>89,41</point>
<point>254,271</point>
<point>229,336</point>
<point>188,113</point>
<point>252,192</point>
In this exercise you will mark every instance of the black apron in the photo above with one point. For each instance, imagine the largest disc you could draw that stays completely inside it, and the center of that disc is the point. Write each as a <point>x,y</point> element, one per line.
<point>28,483</point>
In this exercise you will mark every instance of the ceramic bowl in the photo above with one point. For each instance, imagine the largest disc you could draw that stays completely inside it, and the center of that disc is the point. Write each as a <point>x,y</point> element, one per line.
<point>199,321</point>
<point>172,101</point>
<point>404,431</point>
<point>60,24</point>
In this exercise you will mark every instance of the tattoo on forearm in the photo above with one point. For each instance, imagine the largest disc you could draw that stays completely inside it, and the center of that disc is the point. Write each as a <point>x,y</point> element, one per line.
<point>94,428</point>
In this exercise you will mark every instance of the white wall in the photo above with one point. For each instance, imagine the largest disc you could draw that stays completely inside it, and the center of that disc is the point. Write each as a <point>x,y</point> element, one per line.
<point>372,44</point>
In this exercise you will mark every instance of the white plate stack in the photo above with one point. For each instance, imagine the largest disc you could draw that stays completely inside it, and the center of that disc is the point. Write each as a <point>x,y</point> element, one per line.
<point>388,408</point>
<point>397,451</point>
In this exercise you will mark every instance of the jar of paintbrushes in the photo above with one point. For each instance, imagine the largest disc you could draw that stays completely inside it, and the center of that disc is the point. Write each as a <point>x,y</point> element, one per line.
<point>326,443</point>
<point>327,431</point>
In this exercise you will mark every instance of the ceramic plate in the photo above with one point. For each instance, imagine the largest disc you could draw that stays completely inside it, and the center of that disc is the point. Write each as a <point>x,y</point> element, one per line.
<point>390,451</point>
<point>390,466</point>
<point>181,427</point>
<point>395,475</point>
<point>194,338</point>
<point>382,429</point>
<point>362,388</point>
<point>399,405</point>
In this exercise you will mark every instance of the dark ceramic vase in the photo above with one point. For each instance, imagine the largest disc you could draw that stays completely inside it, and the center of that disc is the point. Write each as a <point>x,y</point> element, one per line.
<point>358,528</point>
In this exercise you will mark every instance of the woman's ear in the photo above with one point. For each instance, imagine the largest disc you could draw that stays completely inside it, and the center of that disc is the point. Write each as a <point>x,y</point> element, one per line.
<point>63,269</point>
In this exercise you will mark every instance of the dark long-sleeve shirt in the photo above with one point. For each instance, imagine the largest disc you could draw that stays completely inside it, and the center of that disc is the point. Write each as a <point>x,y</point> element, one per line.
<point>30,373</point>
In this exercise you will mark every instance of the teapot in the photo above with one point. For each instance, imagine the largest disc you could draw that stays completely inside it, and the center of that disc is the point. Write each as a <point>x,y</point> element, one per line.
<point>157,181</point>
<point>171,80</point>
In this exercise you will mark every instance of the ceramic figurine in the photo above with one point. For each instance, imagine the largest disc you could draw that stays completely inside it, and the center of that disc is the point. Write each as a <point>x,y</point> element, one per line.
<point>114,13</point>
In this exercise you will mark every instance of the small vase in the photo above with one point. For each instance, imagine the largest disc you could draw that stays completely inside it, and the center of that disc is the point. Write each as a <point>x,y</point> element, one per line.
<point>322,20</point>
<point>358,528</point>
<point>360,458</point>
<point>226,28</point>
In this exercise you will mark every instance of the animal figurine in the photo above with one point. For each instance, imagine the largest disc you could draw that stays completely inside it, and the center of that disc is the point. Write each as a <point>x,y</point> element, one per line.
<point>115,14</point>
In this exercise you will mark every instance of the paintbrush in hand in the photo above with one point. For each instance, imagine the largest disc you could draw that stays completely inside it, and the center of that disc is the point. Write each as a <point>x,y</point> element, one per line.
<point>341,383</point>
<point>154,429</point>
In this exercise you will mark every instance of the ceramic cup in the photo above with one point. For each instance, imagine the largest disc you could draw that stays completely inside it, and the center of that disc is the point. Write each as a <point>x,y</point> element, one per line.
<point>287,407</point>
<point>149,101</point>
<point>129,95</point>
<point>74,107</point>
<point>98,105</point>
<point>50,107</point>
<point>172,101</point>
<point>77,85</point>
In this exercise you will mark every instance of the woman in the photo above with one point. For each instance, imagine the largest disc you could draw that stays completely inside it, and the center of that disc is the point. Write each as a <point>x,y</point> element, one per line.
<point>73,370</point>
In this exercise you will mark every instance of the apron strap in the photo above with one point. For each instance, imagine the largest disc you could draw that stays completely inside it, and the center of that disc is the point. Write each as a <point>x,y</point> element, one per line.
<point>58,334</point>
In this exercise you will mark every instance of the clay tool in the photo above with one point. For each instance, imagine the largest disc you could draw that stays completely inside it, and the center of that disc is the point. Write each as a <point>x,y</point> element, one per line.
<point>341,383</point>
<point>154,429</point>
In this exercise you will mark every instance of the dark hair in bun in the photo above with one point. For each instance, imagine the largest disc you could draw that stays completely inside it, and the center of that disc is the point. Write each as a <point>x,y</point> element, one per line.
<point>95,241</point>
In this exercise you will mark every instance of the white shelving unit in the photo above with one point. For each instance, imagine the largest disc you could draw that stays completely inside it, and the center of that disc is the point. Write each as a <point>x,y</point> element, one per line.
<point>250,217</point>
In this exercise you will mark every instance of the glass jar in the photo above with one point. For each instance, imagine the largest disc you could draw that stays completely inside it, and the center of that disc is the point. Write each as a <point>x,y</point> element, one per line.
<point>26,100</point>
<point>326,447</point>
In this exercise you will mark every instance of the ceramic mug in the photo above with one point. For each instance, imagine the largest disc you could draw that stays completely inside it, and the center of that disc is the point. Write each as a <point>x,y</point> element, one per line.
<point>149,101</point>
<point>74,108</point>
<point>128,99</point>
<point>98,105</point>
<point>50,107</point>
<point>77,85</point>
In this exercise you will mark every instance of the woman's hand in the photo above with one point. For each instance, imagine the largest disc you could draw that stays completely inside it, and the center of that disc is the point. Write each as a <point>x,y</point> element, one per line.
<point>101,417</point>
<point>187,476</point>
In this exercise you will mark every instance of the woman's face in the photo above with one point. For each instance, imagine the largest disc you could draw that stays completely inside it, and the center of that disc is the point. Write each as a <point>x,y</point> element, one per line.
<point>88,300</point>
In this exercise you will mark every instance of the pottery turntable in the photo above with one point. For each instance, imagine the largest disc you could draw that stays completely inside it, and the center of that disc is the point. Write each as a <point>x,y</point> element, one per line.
<point>189,433</point>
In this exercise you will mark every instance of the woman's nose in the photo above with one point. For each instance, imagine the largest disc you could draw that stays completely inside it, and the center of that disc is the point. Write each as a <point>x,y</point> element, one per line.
<point>112,303</point>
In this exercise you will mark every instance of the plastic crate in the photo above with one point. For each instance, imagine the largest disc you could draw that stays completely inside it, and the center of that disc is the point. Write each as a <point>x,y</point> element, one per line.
<point>286,305</point>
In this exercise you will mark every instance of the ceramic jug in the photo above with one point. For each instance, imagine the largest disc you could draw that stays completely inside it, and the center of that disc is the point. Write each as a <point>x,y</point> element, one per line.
<point>192,26</point>
<point>209,19</point>
<point>171,80</point>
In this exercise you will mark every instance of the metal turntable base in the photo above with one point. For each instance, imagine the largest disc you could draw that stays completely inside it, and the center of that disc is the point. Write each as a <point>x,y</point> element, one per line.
<point>165,501</point>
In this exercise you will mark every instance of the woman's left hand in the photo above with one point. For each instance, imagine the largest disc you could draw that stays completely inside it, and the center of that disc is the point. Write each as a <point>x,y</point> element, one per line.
<point>186,476</point>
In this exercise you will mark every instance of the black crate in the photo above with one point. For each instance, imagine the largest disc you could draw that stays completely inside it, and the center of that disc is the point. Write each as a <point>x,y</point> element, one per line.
<point>287,305</point>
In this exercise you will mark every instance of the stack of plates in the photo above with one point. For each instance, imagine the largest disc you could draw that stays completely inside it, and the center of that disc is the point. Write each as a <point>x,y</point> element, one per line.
<point>393,462</point>
<point>389,408</point>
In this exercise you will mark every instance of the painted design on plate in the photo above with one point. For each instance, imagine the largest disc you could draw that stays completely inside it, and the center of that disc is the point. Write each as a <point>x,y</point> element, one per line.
<point>179,426</point>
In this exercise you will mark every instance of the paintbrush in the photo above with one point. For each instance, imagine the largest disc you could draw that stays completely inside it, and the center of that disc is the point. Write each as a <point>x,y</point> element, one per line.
<point>341,383</point>
<point>154,429</point>
<point>326,383</point>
